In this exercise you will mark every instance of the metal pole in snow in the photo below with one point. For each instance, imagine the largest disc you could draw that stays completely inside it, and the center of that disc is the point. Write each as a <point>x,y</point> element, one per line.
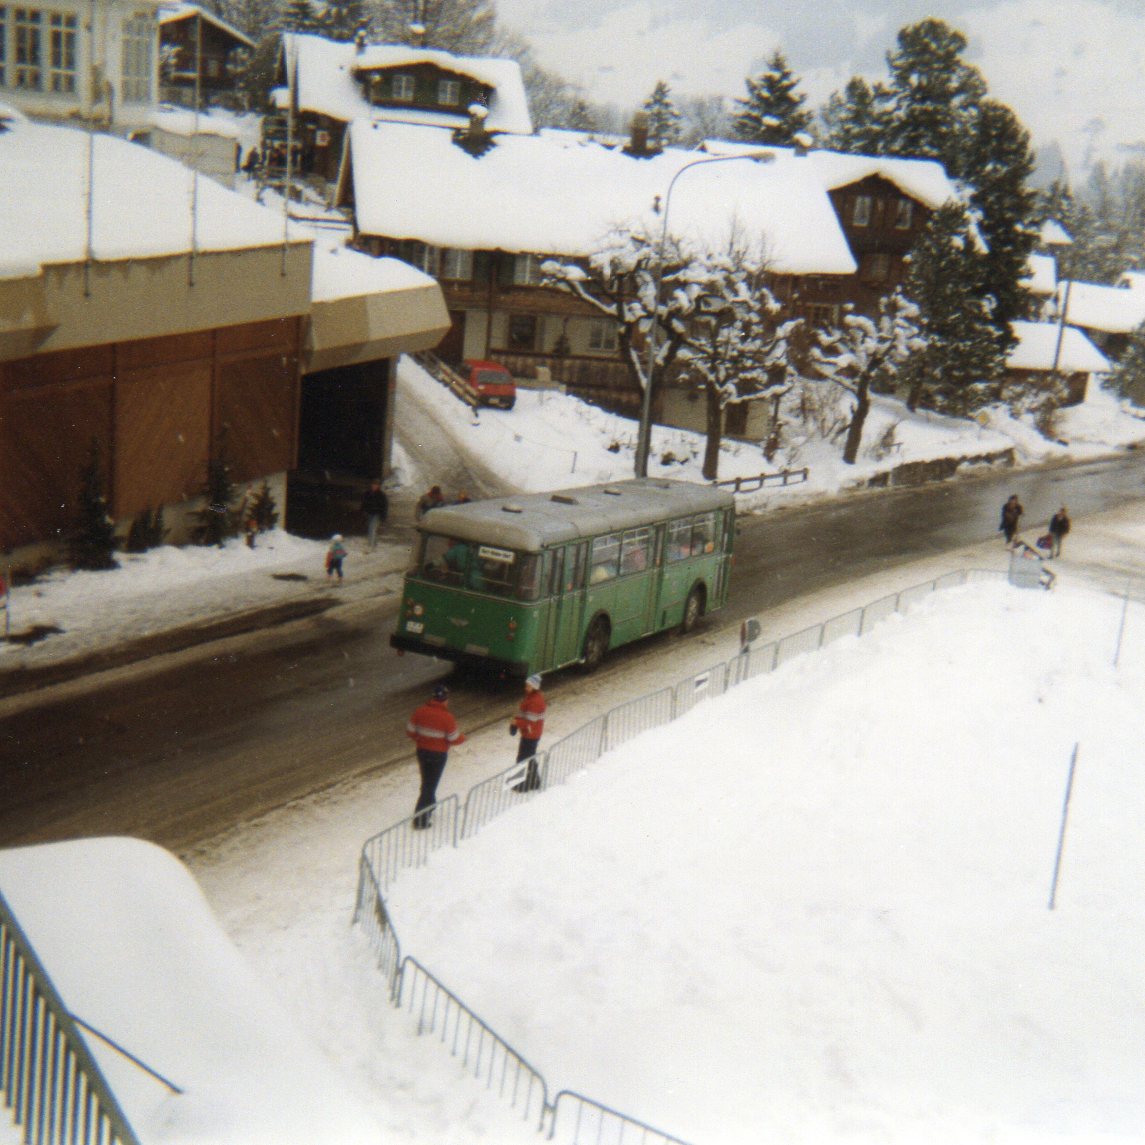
<point>1061,833</point>
<point>1121,628</point>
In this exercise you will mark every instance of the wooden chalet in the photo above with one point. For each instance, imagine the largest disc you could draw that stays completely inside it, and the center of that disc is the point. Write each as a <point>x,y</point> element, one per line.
<point>1049,356</point>
<point>331,83</point>
<point>483,218</point>
<point>198,53</point>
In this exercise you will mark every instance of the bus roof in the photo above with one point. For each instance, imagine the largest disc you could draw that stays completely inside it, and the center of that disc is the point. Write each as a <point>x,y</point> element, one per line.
<point>533,521</point>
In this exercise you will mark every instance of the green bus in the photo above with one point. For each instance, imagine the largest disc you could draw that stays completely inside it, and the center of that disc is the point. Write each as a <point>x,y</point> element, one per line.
<point>530,583</point>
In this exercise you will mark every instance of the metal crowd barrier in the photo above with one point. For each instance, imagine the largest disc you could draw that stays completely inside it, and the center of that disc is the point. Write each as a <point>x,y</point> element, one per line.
<point>401,848</point>
<point>48,1077</point>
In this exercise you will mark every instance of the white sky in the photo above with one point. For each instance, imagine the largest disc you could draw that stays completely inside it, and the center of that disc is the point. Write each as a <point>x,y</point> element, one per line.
<point>1070,68</point>
<point>900,972</point>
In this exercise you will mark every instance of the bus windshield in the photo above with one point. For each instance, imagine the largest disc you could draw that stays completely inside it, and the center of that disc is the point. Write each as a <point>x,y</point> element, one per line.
<point>479,567</point>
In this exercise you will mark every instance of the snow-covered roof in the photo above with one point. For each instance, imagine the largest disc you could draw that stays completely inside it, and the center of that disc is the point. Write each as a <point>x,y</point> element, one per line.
<point>326,82</point>
<point>175,12</point>
<point>340,272</point>
<point>184,121</point>
<point>141,208</point>
<point>1054,234</point>
<point>1110,309</point>
<point>558,194</point>
<point>922,179</point>
<point>1042,278</point>
<point>1132,280</point>
<point>1038,348</point>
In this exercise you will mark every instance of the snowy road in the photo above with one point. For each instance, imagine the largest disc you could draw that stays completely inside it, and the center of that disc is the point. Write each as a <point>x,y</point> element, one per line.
<point>177,752</point>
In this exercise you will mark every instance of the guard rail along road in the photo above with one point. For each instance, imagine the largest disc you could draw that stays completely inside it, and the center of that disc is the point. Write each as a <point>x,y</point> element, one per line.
<point>568,1117</point>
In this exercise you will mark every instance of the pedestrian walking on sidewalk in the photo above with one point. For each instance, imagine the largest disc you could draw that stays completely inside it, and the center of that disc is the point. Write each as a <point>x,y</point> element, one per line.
<point>433,731</point>
<point>1059,526</point>
<point>1011,514</point>
<point>530,723</point>
<point>335,555</point>
<point>376,506</point>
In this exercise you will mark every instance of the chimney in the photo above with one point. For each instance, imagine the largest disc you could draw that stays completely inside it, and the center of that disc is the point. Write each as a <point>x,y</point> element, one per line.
<point>417,35</point>
<point>473,137</point>
<point>638,136</point>
<point>359,41</point>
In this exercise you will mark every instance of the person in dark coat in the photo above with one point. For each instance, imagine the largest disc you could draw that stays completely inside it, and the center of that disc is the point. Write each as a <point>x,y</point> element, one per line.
<point>376,505</point>
<point>1011,514</point>
<point>433,731</point>
<point>1059,526</point>
<point>430,500</point>
<point>530,723</point>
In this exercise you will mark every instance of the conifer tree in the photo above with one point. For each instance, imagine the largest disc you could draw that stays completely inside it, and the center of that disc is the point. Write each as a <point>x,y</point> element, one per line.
<point>217,520</point>
<point>1128,376</point>
<point>299,16</point>
<point>773,111</point>
<point>663,117</point>
<point>855,120</point>
<point>934,95</point>
<point>93,542</point>
<point>342,19</point>
<point>961,361</point>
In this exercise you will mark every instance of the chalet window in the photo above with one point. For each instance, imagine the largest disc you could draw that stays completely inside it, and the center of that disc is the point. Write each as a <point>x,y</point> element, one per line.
<point>3,47</point>
<point>418,254</point>
<point>821,315</point>
<point>448,92</point>
<point>526,270</point>
<point>457,265</point>
<point>904,214</point>
<point>401,88</point>
<point>62,57</point>
<point>735,419</point>
<point>138,52</point>
<point>602,336</point>
<point>875,267</point>
<point>523,331</point>
<point>861,212</point>
<point>28,26</point>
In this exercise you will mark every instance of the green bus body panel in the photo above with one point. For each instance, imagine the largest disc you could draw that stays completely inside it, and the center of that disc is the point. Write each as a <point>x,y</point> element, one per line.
<point>520,637</point>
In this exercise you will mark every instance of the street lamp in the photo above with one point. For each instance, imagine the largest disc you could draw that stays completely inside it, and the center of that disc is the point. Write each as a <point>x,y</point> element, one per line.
<point>644,439</point>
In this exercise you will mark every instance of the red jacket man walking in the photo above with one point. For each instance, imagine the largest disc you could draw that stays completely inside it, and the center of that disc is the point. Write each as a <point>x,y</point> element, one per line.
<point>434,730</point>
<point>530,722</point>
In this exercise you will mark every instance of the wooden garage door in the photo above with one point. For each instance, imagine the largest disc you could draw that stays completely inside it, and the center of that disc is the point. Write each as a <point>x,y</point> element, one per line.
<point>163,435</point>
<point>257,412</point>
<point>45,444</point>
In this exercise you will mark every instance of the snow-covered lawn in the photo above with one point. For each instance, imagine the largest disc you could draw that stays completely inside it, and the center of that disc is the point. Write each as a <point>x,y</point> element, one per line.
<point>816,909</point>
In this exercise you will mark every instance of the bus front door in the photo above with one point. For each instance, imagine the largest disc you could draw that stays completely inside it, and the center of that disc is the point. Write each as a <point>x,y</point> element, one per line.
<point>566,603</point>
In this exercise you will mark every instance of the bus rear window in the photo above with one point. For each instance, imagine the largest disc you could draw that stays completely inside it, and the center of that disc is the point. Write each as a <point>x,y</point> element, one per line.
<point>479,567</point>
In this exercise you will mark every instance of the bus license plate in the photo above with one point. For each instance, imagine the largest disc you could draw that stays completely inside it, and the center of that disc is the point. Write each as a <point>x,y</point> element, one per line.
<point>415,626</point>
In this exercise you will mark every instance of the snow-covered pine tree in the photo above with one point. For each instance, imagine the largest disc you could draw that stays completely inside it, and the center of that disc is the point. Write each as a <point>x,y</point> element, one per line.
<point>299,16</point>
<point>1128,376</point>
<point>934,95</point>
<point>664,118</point>
<point>996,165</point>
<point>855,120</point>
<point>864,354</point>
<point>341,20</point>
<point>92,542</point>
<point>773,111</point>
<point>961,362</point>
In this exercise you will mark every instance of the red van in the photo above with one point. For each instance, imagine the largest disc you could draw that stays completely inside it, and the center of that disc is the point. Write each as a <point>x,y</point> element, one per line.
<point>492,383</point>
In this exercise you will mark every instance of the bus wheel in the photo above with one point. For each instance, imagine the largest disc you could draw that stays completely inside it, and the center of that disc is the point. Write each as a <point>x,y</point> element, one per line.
<point>595,644</point>
<point>693,610</point>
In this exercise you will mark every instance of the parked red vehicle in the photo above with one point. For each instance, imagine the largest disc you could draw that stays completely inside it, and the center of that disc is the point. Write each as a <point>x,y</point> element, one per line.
<point>492,383</point>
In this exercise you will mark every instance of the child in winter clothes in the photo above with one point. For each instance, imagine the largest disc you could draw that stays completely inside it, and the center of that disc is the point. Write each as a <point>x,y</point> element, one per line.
<point>335,555</point>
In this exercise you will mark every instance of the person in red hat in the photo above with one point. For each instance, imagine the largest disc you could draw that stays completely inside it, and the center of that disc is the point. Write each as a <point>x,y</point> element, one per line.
<point>530,722</point>
<point>434,731</point>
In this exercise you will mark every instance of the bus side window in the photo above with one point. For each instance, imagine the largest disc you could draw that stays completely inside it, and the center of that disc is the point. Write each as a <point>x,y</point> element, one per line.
<point>635,551</point>
<point>704,534</point>
<point>554,571</point>
<point>680,540</point>
<point>605,558</point>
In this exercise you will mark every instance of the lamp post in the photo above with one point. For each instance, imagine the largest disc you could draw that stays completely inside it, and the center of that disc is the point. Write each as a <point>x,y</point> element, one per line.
<point>644,438</point>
